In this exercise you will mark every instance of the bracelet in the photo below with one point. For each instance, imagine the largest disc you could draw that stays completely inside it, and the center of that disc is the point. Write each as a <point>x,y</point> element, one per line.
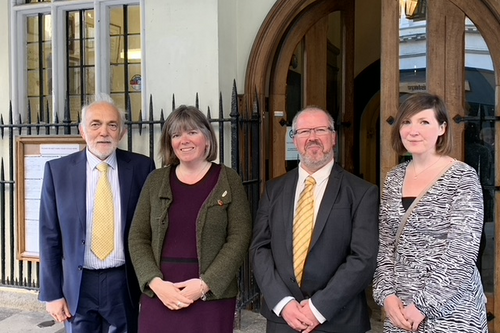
<point>203,296</point>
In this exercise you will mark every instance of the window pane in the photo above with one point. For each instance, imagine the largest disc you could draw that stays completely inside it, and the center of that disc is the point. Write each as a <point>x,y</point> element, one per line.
<point>89,24</point>
<point>81,58</point>
<point>116,16</point>
<point>47,51</point>
<point>135,104</point>
<point>74,80</point>
<point>116,49</point>
<point>134,20</point>
<point>479,135</point>
<point>39,64</point>
<point>134,48</point>
<point>90,82</point>
<point>134,75</point>
<point>32,23</point>
<point>125,57</point>
<point>32,55</point>
<point>47,81</point>
<point>89,52</point>
<point>117,78</point>
<point>75,106</point>
<point>33,80</point>
<point>119,99</point>
<point>412,49</point>
<point>47,28</point>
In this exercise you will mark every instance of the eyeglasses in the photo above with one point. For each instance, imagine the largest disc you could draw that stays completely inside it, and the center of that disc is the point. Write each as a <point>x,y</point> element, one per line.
<point>319,131</point>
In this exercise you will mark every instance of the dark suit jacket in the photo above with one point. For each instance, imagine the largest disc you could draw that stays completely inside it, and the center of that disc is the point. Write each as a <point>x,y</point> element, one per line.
<point>63,222</point>
<point>343,252</point>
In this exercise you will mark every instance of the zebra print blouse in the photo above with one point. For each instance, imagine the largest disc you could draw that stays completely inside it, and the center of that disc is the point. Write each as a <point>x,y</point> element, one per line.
<point>434,264</point>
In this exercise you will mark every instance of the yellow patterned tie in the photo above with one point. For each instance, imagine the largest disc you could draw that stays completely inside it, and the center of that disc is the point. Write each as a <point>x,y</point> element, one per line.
<point>103,230</point>
<point>303,226</point>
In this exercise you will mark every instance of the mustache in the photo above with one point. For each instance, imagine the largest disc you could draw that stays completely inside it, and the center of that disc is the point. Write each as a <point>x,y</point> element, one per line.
<point>314,143</point>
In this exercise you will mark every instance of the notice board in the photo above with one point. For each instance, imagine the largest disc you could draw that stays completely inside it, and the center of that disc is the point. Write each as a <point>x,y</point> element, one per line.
<point>32,153</point>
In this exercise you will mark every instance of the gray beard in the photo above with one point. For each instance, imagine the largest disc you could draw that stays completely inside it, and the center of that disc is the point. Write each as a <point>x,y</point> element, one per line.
<point>316,164</point>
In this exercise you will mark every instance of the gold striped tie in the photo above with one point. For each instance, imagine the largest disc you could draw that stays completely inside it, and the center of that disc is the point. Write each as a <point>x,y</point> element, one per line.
<point>303,226</point>
<point>103,229</point>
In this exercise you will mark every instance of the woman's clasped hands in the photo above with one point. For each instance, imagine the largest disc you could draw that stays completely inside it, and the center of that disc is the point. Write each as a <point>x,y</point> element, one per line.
<point>176,296</point>
<point>407,318</point>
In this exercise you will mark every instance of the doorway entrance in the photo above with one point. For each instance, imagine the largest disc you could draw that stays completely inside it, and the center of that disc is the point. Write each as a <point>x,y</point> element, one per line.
<point>305,57</point>
<point>305,53</point>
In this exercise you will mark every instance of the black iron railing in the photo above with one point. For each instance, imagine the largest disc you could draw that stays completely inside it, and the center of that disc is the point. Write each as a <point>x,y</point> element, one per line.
<point>243,144</point>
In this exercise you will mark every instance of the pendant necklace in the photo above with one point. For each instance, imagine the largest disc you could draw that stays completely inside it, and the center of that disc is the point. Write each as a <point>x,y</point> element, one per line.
<point>418,174</point>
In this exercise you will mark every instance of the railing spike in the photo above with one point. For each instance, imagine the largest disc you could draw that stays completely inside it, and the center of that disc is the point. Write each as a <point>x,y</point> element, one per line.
<point>162,119</point>
<point>235,111</point>
<point>67,115</point>
<point>221,106</point>
<point>151,109</point>
<point>1,125</point>
<point>20,121</point>
<point>140,119</point>
<point>11,116</point>
<point>56,120</point>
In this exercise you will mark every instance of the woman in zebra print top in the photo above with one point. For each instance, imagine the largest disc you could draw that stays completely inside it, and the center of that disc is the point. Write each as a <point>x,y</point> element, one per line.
<point>426,278</point>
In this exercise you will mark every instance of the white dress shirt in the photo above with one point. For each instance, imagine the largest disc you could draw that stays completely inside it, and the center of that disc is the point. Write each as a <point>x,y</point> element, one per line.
<point>117,257</point>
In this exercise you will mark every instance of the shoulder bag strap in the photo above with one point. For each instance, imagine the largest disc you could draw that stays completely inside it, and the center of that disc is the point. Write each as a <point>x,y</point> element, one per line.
<point>404,219</point>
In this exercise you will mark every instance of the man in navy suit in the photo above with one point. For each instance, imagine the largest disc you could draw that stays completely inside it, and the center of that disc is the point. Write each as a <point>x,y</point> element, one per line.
<point>86,293</point>
<point>329,293</point>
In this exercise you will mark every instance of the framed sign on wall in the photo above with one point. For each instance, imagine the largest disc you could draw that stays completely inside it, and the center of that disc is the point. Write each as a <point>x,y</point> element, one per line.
<point>32,154</point>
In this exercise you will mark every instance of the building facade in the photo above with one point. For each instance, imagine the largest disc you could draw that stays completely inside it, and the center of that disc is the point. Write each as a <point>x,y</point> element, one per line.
<point>356,58</point>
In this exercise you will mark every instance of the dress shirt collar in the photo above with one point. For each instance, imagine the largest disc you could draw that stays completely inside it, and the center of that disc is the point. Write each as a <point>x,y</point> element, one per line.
<point>94,161</point>
<point>319,176</point>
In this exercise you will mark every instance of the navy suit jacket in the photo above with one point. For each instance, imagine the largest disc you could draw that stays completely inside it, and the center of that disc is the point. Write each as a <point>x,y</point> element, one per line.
<point>63,222</point>
<point>342,256</point>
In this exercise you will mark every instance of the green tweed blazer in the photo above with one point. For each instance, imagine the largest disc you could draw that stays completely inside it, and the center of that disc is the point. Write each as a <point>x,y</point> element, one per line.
<point>224,231</point>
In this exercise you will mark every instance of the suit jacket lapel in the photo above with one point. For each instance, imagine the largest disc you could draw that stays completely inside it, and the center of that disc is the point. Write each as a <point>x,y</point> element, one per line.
<point>288,205</point>
<point>125,176</point>
<point>329,198</point>
<point>79,168</point>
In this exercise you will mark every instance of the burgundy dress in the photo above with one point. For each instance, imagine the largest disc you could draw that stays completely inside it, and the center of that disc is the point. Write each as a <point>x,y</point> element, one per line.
<point>179,263</point>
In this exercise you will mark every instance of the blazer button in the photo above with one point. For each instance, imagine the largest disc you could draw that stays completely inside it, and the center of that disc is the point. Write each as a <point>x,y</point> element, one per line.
<point>80,267</point>
<point>83,241</point>
<point>293,279</point>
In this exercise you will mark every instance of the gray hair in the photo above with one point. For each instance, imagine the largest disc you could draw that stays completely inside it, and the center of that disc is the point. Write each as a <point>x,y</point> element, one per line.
<point>101,98</point>
<point>312,108</point>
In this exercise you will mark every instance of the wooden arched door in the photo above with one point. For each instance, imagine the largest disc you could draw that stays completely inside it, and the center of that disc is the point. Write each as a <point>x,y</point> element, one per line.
<point>298,31</point>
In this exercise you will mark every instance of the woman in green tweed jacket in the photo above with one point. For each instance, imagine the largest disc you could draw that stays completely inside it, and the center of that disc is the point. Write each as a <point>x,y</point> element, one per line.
<point>190,233</point>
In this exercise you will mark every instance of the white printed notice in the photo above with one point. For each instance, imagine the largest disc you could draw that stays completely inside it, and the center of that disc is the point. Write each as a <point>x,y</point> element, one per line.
<point>292,153</point>
<point>34,165</point>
